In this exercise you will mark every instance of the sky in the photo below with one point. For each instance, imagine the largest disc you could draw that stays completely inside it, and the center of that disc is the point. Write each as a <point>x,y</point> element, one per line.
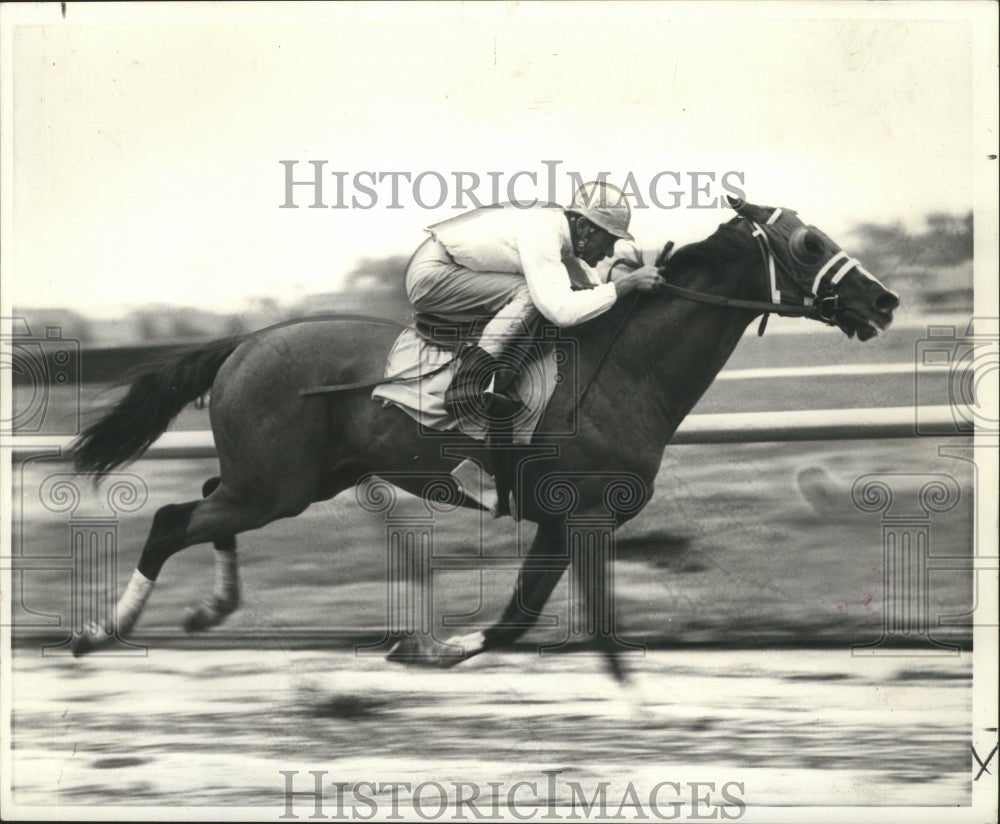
<point>143,144</point>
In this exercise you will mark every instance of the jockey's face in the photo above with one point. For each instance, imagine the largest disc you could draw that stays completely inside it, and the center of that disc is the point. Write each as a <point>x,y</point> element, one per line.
<point>594,243</point>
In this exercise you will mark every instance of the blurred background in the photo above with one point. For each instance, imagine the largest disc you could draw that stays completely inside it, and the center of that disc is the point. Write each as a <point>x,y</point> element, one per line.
<point>147,145</point>
<point>932,269</point>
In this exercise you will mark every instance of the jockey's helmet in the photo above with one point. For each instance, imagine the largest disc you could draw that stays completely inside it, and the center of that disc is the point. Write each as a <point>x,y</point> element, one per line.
<point>605,206</point>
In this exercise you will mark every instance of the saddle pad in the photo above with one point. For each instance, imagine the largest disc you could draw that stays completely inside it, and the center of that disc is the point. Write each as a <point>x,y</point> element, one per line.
<point>423,398</point>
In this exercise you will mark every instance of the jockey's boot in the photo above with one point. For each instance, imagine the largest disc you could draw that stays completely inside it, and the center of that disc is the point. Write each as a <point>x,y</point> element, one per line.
<point>502,401</point>
<point>467,395</point>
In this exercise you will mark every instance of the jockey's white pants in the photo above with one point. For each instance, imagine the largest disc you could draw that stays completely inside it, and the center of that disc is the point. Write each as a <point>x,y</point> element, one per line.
<point>435,283</point>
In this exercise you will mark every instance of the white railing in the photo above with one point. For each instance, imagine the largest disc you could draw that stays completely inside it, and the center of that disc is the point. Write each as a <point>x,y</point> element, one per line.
<point>740,427</point>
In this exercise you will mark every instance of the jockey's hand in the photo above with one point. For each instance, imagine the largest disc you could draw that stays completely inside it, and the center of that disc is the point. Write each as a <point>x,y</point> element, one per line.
<point>643,279</point>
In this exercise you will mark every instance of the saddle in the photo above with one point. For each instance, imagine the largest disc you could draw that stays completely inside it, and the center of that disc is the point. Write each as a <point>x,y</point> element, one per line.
<point>448,334</point>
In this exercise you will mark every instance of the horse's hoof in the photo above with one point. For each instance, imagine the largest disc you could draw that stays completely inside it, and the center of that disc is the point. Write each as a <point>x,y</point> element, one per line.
<point>198,619</point>
<point>419,651</point>
<point>206,615</point>
<point>91,639</point>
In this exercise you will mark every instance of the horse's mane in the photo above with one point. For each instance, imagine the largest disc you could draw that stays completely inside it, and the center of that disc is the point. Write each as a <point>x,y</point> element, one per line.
<point>725,243</point>
<point>716,252</point>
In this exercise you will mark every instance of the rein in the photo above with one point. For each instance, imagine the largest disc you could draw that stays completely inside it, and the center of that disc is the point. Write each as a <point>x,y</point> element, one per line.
<point>784,309</point>
<point>822,309</point>
<point>371,384</point>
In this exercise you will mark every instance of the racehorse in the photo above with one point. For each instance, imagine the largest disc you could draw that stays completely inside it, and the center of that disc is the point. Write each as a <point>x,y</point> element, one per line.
<point>644,365</point>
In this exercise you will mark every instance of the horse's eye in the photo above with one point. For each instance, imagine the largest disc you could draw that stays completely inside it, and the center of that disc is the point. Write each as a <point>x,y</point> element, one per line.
<point>806,246</point>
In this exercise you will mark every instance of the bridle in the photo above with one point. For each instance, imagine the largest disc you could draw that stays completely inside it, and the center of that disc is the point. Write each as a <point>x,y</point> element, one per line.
<point>820,303</point>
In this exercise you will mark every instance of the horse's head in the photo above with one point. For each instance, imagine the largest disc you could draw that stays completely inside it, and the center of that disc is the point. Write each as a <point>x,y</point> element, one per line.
<point>806,265</point>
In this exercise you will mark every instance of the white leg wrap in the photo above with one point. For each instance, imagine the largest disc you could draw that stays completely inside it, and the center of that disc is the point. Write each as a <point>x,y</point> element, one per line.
<point>130,605</point>
<point>227,576</point>
<point>225,597</point>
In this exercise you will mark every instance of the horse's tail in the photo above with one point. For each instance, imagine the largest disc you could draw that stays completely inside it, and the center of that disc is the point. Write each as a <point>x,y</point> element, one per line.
<point>158,392</point>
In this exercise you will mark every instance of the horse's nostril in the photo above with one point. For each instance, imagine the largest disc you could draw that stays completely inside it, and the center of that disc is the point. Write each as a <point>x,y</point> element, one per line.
<point>886,302</point>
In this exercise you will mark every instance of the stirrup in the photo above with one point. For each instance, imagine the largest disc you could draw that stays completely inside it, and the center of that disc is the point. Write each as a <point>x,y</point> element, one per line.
<point>501,406</point>
<point>496,407</point>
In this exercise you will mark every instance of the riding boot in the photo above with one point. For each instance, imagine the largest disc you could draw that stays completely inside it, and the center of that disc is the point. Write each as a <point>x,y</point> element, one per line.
<point>467,394</point>
<point>502,401</point>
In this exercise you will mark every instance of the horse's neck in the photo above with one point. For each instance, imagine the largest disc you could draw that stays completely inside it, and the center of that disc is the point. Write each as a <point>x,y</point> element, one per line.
<point>672,348</point>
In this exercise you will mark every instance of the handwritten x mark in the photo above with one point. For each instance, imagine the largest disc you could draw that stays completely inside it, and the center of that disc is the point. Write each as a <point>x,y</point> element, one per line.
<point>983,764</point>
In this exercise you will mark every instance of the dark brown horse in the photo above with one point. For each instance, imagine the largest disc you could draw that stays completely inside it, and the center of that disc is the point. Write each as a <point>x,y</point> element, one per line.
<point>642,367</point>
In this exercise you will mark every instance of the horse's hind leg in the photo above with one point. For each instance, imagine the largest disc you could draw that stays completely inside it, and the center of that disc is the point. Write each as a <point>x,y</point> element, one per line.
<point>225,597</point>
<point>166,536</point>
<point>218,517</point>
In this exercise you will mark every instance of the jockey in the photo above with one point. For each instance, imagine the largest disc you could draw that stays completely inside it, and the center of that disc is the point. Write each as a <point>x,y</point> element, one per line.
<point>517,265</point>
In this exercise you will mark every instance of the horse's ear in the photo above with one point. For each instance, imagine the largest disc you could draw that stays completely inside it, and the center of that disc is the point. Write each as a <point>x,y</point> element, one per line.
<point>735,203</point>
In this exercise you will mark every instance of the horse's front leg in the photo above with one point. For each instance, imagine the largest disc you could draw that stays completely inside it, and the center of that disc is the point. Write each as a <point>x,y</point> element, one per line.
<point>591,622</point>
<point>543,567</point>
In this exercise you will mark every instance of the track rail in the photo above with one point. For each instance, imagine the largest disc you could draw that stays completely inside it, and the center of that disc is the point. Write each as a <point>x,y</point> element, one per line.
<point>740,427</point>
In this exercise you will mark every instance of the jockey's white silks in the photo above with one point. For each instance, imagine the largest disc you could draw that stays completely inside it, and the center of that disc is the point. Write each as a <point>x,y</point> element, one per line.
<point>437,284</point>
<point>484,249</point>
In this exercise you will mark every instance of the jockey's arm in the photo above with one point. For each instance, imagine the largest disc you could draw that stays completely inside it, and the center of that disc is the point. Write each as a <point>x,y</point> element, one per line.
<point>550,286</point>
<point>634,275</point>
<point>644,279</point>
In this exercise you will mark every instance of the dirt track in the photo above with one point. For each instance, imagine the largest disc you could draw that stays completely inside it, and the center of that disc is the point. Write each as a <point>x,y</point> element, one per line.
<point>193,728</point>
